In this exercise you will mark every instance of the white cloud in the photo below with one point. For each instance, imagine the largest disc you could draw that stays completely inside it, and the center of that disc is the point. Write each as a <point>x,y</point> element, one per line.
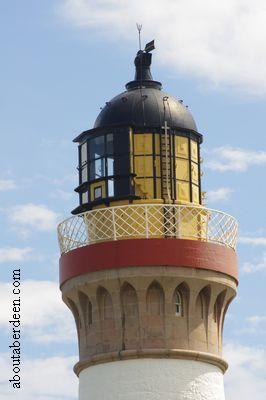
<point>256,266</point>
<point>256,319</point>
<point>254,325</point>
<point>45,317</point>
<point>62,194</point>
<point>10,254</point>
<point>226,158</point>
<point>221,42</point>
<point>254,241</point>
<point>220,194</point>
<point>246,377</point>
<point>23,233</point>
<point>257,324</point>
<point>69,178</point>
<point>7,184</point>
<point>42,379</point>
<point>35,216</point>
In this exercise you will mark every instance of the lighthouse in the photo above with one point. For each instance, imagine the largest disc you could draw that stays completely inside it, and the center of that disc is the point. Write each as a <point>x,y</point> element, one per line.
<point>147,270</point>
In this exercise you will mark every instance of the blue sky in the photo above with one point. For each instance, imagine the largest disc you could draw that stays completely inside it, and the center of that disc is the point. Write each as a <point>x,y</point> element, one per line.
<point>60,62</point>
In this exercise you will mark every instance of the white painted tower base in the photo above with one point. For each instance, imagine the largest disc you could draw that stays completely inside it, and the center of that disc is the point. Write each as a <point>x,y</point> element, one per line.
<point>152,379</point>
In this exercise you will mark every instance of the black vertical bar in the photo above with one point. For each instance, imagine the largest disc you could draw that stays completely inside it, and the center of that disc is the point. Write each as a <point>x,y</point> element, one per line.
<point>87,156</point>
<point>88,170</point>
<point>79,164</point>
<point>161,164</point>
<point>87,167</point>
<point>105,166</point>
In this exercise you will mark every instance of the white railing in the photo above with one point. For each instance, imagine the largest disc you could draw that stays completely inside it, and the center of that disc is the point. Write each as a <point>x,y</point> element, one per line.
<point>147,221</point>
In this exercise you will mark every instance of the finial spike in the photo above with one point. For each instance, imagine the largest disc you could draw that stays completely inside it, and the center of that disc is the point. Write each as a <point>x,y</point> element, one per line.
<point>139,28</point>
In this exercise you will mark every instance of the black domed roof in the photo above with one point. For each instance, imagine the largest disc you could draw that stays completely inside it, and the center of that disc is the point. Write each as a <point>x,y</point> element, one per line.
<point>149,107</point>
<point>145,104</point>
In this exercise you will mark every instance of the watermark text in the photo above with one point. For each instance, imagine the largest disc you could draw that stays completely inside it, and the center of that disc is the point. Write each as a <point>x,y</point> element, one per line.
<point>15,321</point>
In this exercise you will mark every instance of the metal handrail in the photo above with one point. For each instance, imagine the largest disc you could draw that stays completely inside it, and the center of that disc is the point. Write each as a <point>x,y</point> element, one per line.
<point>147,221</point>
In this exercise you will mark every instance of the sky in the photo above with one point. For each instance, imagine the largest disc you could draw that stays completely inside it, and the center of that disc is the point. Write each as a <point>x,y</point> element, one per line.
<point>61,60</point>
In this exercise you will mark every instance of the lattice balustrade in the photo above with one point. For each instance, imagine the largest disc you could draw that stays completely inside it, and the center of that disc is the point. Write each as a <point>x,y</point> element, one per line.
<point>147,221</point>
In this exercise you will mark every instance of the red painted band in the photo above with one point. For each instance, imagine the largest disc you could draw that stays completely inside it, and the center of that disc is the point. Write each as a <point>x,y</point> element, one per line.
<point>148,252</point>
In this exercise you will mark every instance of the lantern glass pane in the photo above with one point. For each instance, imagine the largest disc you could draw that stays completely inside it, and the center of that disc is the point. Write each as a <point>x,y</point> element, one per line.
<point>96,147</point>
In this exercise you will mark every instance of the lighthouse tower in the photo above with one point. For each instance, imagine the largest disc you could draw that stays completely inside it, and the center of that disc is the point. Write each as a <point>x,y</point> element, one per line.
<point>147,270</point>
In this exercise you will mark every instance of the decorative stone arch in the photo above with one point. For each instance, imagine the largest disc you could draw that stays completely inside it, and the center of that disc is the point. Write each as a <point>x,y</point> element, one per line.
<point>227,301</point>
<point>86,308</point>
<point>74,309</point>
<point>203,303</point>
<point>217,308</point>
<point>105,304</point>
<point>130,317</point>
<point>155,299</point>
<point>181,295</point>
<point>108,334</point>
<point>200,318</point>
<point>75,312</point>
<point>154,336</point>
<point>178,322</point>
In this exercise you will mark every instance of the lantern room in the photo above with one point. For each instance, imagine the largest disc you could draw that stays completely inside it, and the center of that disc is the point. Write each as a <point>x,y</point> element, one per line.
<point>144,147</point>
